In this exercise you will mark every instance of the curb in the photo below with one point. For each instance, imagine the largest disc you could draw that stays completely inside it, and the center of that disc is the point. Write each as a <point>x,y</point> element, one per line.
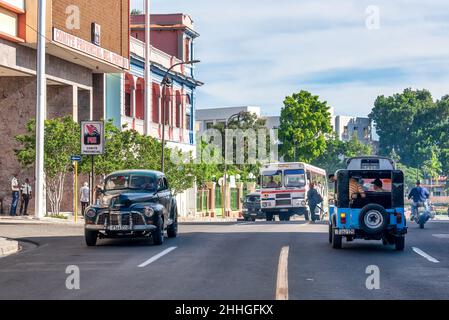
<point>8,247</point>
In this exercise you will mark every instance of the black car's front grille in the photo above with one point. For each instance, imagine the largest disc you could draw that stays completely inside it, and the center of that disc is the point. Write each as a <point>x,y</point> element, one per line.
<point>123,219</point>
<point>283,202</point>
<point>138,220</point>
<point>101,219</point>
<point>114,220</point>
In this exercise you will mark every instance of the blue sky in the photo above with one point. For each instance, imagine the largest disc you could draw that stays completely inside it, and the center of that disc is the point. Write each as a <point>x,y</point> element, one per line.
<point>256,52</point>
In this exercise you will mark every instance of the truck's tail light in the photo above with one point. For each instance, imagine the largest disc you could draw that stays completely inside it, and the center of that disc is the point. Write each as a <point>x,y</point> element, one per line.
<point>343,218</point>
<point>398,217</point>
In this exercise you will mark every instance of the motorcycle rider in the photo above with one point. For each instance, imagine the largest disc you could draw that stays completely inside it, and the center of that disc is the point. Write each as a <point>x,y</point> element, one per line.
<point>419,195</point>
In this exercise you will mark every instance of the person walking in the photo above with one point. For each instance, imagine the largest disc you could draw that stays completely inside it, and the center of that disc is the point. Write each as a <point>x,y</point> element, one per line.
<point>15,195</point>
<point>26,197</point>
<point>314,198</point>
<point>84,197</point>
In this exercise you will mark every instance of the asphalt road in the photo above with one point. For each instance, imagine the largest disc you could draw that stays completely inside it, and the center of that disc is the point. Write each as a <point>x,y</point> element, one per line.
<point>225,261</point>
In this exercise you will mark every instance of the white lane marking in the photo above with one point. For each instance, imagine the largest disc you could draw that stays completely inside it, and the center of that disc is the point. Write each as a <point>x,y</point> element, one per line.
<point>157,257</point>
<point>441,236</point>
<point>282,278</point>
<point>425,255</point>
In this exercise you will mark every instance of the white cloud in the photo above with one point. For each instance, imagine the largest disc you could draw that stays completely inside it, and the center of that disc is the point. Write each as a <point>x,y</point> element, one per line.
<point>255,52</point>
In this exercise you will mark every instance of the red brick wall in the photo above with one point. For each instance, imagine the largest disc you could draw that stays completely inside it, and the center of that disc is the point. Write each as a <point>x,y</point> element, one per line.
<point>111,15</point>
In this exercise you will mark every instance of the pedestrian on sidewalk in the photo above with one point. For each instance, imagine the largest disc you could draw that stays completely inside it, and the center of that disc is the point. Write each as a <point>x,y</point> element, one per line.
<point>84,197</point>
<point>15,188</point>
<point>26,197</point>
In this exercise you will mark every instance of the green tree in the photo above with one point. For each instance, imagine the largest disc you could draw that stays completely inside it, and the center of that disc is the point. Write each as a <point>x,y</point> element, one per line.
<point>411,175</point>
<point>410,115</point>
<point>337,152</point>
<point>136,12</point>
<point>305,124</point>
<point>61,141</point>
<point>245,123</point>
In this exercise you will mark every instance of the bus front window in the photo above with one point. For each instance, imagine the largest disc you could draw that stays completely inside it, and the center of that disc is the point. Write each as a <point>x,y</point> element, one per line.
<point>295,178</point>
<point>272,179</point>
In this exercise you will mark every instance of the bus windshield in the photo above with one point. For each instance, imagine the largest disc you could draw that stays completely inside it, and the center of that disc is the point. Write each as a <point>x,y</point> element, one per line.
<point>272,179</point>
<point>295,178</point>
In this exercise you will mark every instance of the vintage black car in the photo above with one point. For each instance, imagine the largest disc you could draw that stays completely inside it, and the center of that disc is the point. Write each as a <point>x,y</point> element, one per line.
<point>251,207</point>
<point>134,203</point>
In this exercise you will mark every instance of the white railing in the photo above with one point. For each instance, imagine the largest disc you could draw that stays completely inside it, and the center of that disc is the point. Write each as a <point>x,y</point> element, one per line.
<point>157,56</point>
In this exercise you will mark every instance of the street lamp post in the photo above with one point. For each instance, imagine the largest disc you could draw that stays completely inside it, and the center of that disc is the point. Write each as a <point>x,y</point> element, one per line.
<point>41,111</point>
<point>165,83</point>
<point>225,182</point>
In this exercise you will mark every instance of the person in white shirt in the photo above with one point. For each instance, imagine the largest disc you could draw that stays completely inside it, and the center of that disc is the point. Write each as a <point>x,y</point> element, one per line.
<point>26,197</point>
<point>15,195</point>
<point>84,197</point>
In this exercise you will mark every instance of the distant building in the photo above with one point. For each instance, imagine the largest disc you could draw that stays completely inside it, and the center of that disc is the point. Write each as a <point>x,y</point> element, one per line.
<point>346,127</point>
<point>207,118</point>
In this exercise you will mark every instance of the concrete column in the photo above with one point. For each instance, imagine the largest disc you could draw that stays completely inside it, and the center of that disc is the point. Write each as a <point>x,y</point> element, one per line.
<point>75,103</point>
<point>240,195</point>
<point>211,203</point>
<point>133,98</point>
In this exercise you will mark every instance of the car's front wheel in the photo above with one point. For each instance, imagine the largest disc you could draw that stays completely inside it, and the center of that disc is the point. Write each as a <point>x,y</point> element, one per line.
<point>90,237</point>
<point>158,234</point>
<point>172,230</point>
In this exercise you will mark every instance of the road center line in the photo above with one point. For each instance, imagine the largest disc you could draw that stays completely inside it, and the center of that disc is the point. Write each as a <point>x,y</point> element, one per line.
<point>282,278</point>
<point>157,257</point>
<point>425,255</point>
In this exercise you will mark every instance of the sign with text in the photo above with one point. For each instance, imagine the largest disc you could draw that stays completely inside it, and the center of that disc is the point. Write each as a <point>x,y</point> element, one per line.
<point>92,137</point>
<point>91,49</point>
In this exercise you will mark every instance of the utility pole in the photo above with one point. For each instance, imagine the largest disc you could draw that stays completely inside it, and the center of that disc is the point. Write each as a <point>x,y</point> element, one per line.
<point>148,80</point>
<point>40,202</point>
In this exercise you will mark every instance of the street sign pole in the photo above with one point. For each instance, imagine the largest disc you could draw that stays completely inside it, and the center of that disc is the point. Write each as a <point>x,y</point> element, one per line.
<point>75,193</point>
<point>92,181</point>
<point>40,203</point>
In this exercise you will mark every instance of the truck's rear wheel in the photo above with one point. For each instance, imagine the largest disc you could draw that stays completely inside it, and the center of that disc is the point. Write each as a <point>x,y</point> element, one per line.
<point>336,240</point>
<point>269,216</point>
<point>400,243</point>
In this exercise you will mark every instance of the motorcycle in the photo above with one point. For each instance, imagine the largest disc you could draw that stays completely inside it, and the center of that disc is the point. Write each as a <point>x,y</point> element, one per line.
<point>425,212</point>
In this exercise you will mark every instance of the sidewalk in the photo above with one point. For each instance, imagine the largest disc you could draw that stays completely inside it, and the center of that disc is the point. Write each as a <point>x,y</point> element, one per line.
<point>32,220</point>
<point>8,247</point>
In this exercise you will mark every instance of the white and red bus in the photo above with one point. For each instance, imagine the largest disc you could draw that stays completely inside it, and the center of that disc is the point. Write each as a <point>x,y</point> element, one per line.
<point>284,187</point>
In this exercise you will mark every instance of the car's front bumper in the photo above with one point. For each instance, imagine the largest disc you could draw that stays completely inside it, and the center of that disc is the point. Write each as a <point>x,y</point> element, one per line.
<point>142,228</point>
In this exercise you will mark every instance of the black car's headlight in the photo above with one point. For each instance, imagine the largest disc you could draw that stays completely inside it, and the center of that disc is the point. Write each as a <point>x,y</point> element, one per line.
<point>148,212</point>
<point>91,213</point>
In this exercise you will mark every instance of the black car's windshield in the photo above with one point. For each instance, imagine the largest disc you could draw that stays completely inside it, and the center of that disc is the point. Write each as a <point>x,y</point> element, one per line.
<point>131,181</point>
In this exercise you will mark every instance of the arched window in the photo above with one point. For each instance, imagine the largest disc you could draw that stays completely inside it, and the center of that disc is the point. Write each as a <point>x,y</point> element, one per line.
<point>155,104</point>
<point>167,103</point>
<point>129,88</point>
<point>140,99</point>
<point>188,113</point>
<point>178,109</point>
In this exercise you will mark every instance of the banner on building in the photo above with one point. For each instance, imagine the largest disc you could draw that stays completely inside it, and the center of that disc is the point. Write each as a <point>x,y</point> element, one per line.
<point>92,137</point>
